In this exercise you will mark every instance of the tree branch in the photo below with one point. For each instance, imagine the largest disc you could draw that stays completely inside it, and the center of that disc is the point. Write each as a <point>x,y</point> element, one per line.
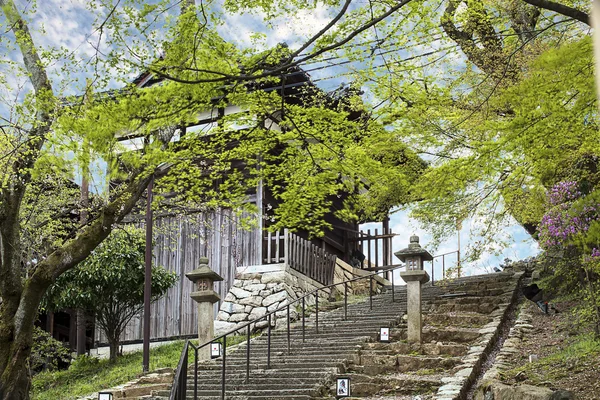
<point>321,32</point>
<point>275,71</point>
<point>561,9</point>
<point>76,250</point>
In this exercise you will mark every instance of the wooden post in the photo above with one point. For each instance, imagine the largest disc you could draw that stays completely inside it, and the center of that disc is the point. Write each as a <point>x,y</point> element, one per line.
<point>376,250</point>
<point>148,279</point>
<point>368,247</point>
<point>277,247</point>
<point>286,247</point>
<point>269,239</point>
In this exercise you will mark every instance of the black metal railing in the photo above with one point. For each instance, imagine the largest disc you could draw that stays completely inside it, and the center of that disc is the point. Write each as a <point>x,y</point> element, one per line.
<point>457,252</point>
<point>179,388</point>
<point>180,380</point>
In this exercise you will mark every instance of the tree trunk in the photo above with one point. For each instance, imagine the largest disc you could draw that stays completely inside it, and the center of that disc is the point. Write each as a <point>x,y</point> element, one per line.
<point>113,345</point>
<point>14,377</point>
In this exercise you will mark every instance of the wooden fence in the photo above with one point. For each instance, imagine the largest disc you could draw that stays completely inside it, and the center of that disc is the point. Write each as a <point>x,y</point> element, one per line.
<point>372,250</point>
<point>179,242</point>
<point>299,254</point>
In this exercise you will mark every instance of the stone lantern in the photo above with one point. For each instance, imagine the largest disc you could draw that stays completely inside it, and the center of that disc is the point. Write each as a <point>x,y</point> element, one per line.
<point>414,276</point>
<point>204,294</point>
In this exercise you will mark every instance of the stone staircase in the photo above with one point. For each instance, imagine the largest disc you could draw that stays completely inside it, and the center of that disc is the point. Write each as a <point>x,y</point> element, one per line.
<point>461,318</point>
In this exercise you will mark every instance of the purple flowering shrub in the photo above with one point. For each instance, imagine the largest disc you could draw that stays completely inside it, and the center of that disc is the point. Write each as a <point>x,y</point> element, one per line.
<point>568,216</point>
<point>572,223</point>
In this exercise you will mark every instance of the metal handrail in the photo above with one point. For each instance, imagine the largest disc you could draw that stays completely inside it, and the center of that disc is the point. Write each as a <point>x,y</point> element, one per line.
<point>178,390</point>
<point>443,263</point>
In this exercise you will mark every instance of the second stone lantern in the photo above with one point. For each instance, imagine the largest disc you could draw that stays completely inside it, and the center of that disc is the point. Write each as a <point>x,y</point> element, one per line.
<point>414,276</point>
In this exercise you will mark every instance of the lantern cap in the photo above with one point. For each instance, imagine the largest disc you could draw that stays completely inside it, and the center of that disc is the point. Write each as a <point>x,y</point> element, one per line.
<point>203,272</point>
<point>413,249</point>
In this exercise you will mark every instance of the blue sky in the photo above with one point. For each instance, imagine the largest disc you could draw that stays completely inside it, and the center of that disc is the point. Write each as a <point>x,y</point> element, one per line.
<point>69,24</point>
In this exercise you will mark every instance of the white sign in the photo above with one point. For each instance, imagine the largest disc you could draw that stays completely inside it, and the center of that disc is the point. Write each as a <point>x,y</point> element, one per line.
<point>343,387</point>
<point>215,350</point>
<point>384,334</point>
<point>105,396</point>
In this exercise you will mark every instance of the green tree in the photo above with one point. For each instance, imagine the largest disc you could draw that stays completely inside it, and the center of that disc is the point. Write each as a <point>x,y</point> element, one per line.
<point>499,97</point>
<point>109,284</point>
<point>55,126</point>
<point>506,161</point>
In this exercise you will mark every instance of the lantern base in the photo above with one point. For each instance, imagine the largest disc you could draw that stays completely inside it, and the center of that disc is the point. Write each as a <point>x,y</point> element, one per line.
<point>205,296</point>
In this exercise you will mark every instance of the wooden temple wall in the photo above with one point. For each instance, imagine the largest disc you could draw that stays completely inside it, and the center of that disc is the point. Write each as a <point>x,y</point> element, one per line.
<point>180,241</point>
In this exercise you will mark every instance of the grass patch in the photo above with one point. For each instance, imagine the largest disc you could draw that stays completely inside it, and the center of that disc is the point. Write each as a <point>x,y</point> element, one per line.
<point>88,375</point>
<point>576,357</point>
<point>426,372</point>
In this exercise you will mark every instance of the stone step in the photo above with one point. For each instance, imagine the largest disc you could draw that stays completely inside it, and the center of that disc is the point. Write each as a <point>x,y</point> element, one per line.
<point>349,344</point>
<point>470,300</point>
<point>482,308</point>
<point>444,334</point>
<point>237,367</point>
<point>284,359</point>
<point>235,395</point>
<point>295,353</point>
<point>257,379</point>
<point>374,364</point>
<point>456,319</point>
<point>366,385</point>
<point>215,374</point>
<point>408,348</point>
<point>257,384</point>
<point>266,394</point>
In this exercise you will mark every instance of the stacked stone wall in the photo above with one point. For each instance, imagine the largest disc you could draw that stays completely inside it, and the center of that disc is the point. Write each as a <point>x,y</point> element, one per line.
<point>259,290</point>
<point>262,289</point>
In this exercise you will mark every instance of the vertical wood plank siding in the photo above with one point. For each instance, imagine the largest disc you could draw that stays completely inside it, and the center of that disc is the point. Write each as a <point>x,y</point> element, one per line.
<point>179,243</point>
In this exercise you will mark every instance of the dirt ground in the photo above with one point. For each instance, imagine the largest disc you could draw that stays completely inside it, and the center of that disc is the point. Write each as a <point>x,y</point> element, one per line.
<point>566,359</point>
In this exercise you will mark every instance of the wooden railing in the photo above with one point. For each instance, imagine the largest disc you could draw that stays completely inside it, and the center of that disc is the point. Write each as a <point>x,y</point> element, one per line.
<point>274,247</point>
<point>367,248</point>
<point>299,254</point>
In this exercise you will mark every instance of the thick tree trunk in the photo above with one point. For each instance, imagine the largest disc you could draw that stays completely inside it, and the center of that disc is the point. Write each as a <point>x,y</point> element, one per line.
<point>113,345</point>
<point>14,377</point>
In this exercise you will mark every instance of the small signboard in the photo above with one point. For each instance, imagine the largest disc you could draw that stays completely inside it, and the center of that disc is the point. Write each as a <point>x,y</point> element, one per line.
<point>105,396</point>
<point>384,335</point>
<point>342,388</point>
<point>215,350</point>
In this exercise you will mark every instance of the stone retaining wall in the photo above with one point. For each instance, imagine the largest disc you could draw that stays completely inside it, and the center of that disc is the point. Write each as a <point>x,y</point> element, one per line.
<point>258,290</point>
<point>492,389</point>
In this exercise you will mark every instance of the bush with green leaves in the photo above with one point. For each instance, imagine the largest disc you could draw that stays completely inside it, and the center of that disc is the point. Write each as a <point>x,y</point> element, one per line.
<point>110,284</point>
<point>47,352</point>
